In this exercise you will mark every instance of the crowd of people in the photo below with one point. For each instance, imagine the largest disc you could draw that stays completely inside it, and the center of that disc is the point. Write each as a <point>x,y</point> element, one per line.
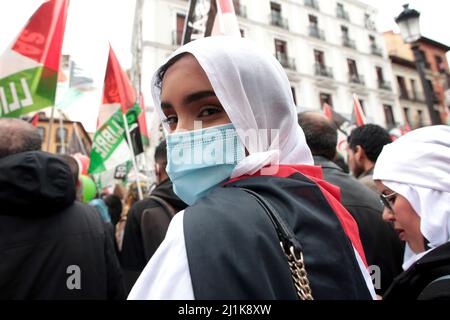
<point>239,173</point>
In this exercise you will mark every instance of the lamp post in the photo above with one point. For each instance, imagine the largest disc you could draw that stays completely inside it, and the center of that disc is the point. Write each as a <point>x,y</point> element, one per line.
<point>408,22</point>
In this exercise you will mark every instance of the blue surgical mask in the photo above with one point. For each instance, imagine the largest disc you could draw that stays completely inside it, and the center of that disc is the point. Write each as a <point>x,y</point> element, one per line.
<point>198,161</point>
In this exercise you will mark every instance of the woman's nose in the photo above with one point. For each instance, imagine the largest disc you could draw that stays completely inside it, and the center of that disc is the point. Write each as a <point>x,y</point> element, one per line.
<point>388,215</point>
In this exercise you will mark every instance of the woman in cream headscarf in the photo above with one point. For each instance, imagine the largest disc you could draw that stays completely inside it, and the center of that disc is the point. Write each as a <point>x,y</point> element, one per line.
<point>224,246</point>
<point>413,176</point>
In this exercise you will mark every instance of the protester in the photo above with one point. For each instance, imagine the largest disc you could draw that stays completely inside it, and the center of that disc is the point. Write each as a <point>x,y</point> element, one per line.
<point>381,245</point>
<point>148,221</point>
<point>413,176</point>
<point>224,245</point>
<point>364,146</point>
<point>52,247</point>
<point>115,207</point>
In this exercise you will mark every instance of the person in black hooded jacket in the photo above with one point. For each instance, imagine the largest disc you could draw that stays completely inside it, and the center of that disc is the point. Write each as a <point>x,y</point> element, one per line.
<point>51,246</point>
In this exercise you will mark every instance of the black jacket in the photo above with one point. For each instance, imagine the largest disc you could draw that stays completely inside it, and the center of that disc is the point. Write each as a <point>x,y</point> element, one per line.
<point>427,279</point>
<point>379,239</point>
<point>51,247</point>
<point>234,253</point>
<point>133,256</point>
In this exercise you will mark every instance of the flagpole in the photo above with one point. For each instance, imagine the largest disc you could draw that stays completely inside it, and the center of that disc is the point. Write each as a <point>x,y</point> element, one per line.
<point>50,126</point>
<point>61,130</point>
<point>133,156</point>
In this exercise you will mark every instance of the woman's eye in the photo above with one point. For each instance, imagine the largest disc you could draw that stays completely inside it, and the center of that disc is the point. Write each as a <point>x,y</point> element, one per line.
<point>209,112</point>
<point>171,120</point>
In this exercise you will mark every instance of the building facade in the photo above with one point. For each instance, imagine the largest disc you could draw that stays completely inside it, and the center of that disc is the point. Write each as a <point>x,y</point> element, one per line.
<point>436,70</point>
<point>330,49</point>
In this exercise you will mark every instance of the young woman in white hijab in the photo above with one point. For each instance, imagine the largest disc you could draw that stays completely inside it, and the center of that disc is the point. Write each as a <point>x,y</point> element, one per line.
<point>413,176</point>
<point>224,245</point>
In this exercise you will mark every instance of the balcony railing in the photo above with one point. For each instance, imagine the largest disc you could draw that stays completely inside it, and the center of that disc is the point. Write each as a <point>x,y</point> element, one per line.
<point>322,70</point>
<point>316,32</point>
<point>349,43</point>
<point>278,21</point>
<point>341,13</point>
<point>285,61</point>
<point>370,25</point>
<point>241,10</point>
<point>385,85</point>
<point>411,95</point>
<point>356,78</point>
<point>374,49</point>
<point>312,4</point>
<point>177,37</point>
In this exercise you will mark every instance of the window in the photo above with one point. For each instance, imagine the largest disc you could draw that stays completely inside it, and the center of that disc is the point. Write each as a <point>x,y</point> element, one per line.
<point>406,114</point>
<point>402,87</point>
<point>419,118</point>
<point>294,95</point>
<point>313,20</point>
<point>325,98</point>
<point>439,64</point>
<point>280,48</point>
<point>61,135</point>
<point>242,33</point>
<point>424,57</point>
<point>414,88</point>
<point>380,76</point>
<point>344,30</point>
<point>340,12</point>
<point>389,116</point>
<point>41,131</point>
<point>178,37</point>
<point>275,8</point>
<point>319,57</point>
<point>352,69</point>
<point>363,106</point>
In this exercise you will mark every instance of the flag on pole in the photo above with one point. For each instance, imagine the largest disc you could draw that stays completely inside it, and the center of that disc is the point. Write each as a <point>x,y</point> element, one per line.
<point>142,119</point>
<point>29,68</point>
<point>359,112</point>
<point>327,111</point>
<point>225,22</point>
<point>110,147</point>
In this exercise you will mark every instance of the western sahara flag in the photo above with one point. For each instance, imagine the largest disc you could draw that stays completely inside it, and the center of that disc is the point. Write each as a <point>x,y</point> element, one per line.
<point>29,68</point>
<point>110,148</point>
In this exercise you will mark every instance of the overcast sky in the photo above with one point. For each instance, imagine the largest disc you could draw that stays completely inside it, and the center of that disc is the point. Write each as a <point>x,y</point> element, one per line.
<point>92,23</point>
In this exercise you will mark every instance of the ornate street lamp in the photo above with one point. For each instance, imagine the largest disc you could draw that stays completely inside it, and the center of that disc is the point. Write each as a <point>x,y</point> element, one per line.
<point>408,22</point>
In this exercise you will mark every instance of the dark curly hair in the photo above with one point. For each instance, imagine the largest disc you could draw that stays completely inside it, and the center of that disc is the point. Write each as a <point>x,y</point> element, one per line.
<point>371,137</point>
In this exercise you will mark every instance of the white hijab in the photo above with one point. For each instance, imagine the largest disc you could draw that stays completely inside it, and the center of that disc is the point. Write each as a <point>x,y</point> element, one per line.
<point>417,166</point>
<point>255,92</point>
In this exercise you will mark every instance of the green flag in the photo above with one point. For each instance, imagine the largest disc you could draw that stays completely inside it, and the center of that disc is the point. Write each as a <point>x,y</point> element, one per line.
<point>29,68</point>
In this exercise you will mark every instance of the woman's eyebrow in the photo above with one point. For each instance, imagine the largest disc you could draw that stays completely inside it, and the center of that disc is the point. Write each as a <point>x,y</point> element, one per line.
<point>166,105</point>
<point>198,95</point>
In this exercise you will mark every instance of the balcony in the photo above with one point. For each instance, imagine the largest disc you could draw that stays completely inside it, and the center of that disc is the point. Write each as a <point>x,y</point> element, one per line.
<point>322,70</point>
<point>356,78</point>
<point>316,32</point>
<point>410,95</point>
<point>177,37</point>
<point>312,4</point>
<point>241,10</point>
<point>342,14</point>
<point>375,50</point>
<point>278,21</point>
<point>285,61</point>
<point>349,43</point>
<point>384,85</point>
<point>370,25</point>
